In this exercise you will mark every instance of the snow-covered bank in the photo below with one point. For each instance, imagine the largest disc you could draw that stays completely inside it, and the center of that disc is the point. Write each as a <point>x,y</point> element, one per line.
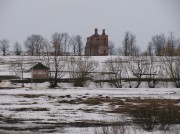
<point>127,75</point>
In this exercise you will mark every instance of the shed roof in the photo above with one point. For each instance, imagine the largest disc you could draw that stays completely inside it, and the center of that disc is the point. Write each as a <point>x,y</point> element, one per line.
<point>40,66</point>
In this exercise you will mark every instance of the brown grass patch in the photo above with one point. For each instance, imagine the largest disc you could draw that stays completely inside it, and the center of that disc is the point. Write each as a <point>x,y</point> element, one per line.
<point>30,109</point>
<point>92,101</point>
<point>30,95</point>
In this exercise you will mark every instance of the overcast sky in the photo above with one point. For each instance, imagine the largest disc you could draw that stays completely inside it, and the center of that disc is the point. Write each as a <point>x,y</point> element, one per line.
<point>144,18</point>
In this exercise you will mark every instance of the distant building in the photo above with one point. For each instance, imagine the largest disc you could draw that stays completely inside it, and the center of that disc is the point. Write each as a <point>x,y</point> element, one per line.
<point>40,71</point>
<point>97,45</point>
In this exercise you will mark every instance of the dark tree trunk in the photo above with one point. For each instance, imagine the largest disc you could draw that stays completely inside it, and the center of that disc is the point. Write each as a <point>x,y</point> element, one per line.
<point>4,53</point>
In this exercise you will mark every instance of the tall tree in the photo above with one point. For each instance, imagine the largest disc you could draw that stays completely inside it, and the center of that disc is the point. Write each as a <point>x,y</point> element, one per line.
<point>138,67</point>
<point>65,43</point>
<point>170,45</point>
<point>129,45</point>
<point>73,45</point>
<point>34,45</point>
<point>111,48</point>
<point>150,49</point>
<point>55,62</point>
<point>4,45</point>
<point>59,41</point>
<point>47,47</point>
<point>77,45</point>
<point>17,48</point>
<point>158,43</point>
<point>178,48</point>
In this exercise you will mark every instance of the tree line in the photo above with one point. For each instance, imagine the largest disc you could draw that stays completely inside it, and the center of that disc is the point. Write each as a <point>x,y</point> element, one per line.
<point>64,44</point>
<point>159,45</point>
<point>34,45</point>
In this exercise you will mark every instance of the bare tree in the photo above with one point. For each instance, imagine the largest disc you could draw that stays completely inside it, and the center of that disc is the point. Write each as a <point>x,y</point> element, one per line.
<point>80,69</point>
<point>129,45</point>
<point>164,46</point>
<point>116,71</point>
<point>47,47</point>
<point>56,67</point>
<point>73,45</point>
<point>158,43</point>
<point>126,44</point>
<point>60,43</point>
<point>172,68</point>
<point>66,43</point>
<point>77,45</point>
<point>34,45</point>
<point>57,43</point>
<point>154,71</point>
<point>47,59</point>
<point>111,48</point>
<point>4,45</point>
<point>178,48</point>
<point>79,42</point>
<point>138,67</point>
<point>17,48</point>
<point>170,45</point>
<point>54,62</point>
<point>150,49</point>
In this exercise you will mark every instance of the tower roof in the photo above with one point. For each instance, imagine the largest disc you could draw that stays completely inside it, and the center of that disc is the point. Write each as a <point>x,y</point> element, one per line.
<point>103,32</point>
<point>96,33</point>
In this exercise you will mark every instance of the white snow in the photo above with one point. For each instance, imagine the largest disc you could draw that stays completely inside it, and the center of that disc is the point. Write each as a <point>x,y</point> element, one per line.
<point>42,97</point>
<point>12,99</point>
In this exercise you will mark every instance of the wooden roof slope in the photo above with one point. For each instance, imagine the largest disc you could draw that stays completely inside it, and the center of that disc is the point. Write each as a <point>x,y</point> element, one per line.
<point>40,66</point>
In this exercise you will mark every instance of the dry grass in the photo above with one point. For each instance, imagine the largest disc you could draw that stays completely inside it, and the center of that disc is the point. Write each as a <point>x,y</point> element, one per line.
<point>29,109</point>
<point>92,101</point>
<point>30,95</point>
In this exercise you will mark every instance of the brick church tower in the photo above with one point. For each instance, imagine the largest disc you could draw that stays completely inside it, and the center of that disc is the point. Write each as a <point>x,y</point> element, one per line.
<point>97,45</point>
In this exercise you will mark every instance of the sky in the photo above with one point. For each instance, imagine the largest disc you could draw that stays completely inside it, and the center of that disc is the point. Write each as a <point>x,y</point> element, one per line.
<point>144,18</point>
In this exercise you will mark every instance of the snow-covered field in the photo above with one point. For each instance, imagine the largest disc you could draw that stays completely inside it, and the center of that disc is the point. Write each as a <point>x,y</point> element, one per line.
<point>62,110</point>
<point>71,110</point>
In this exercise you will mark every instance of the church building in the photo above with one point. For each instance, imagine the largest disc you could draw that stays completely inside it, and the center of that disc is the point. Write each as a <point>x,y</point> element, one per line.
<point>97,45</point>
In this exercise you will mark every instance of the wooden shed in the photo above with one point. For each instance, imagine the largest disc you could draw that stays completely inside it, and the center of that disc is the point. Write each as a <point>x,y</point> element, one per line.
<point>40,71</point>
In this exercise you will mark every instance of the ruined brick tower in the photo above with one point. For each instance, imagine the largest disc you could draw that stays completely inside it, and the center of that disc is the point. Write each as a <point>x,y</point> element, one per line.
<point>97,45</point>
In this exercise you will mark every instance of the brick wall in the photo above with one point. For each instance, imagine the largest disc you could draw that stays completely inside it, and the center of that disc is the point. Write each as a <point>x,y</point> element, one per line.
<point>97,45</point>
<point>40,74</point>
